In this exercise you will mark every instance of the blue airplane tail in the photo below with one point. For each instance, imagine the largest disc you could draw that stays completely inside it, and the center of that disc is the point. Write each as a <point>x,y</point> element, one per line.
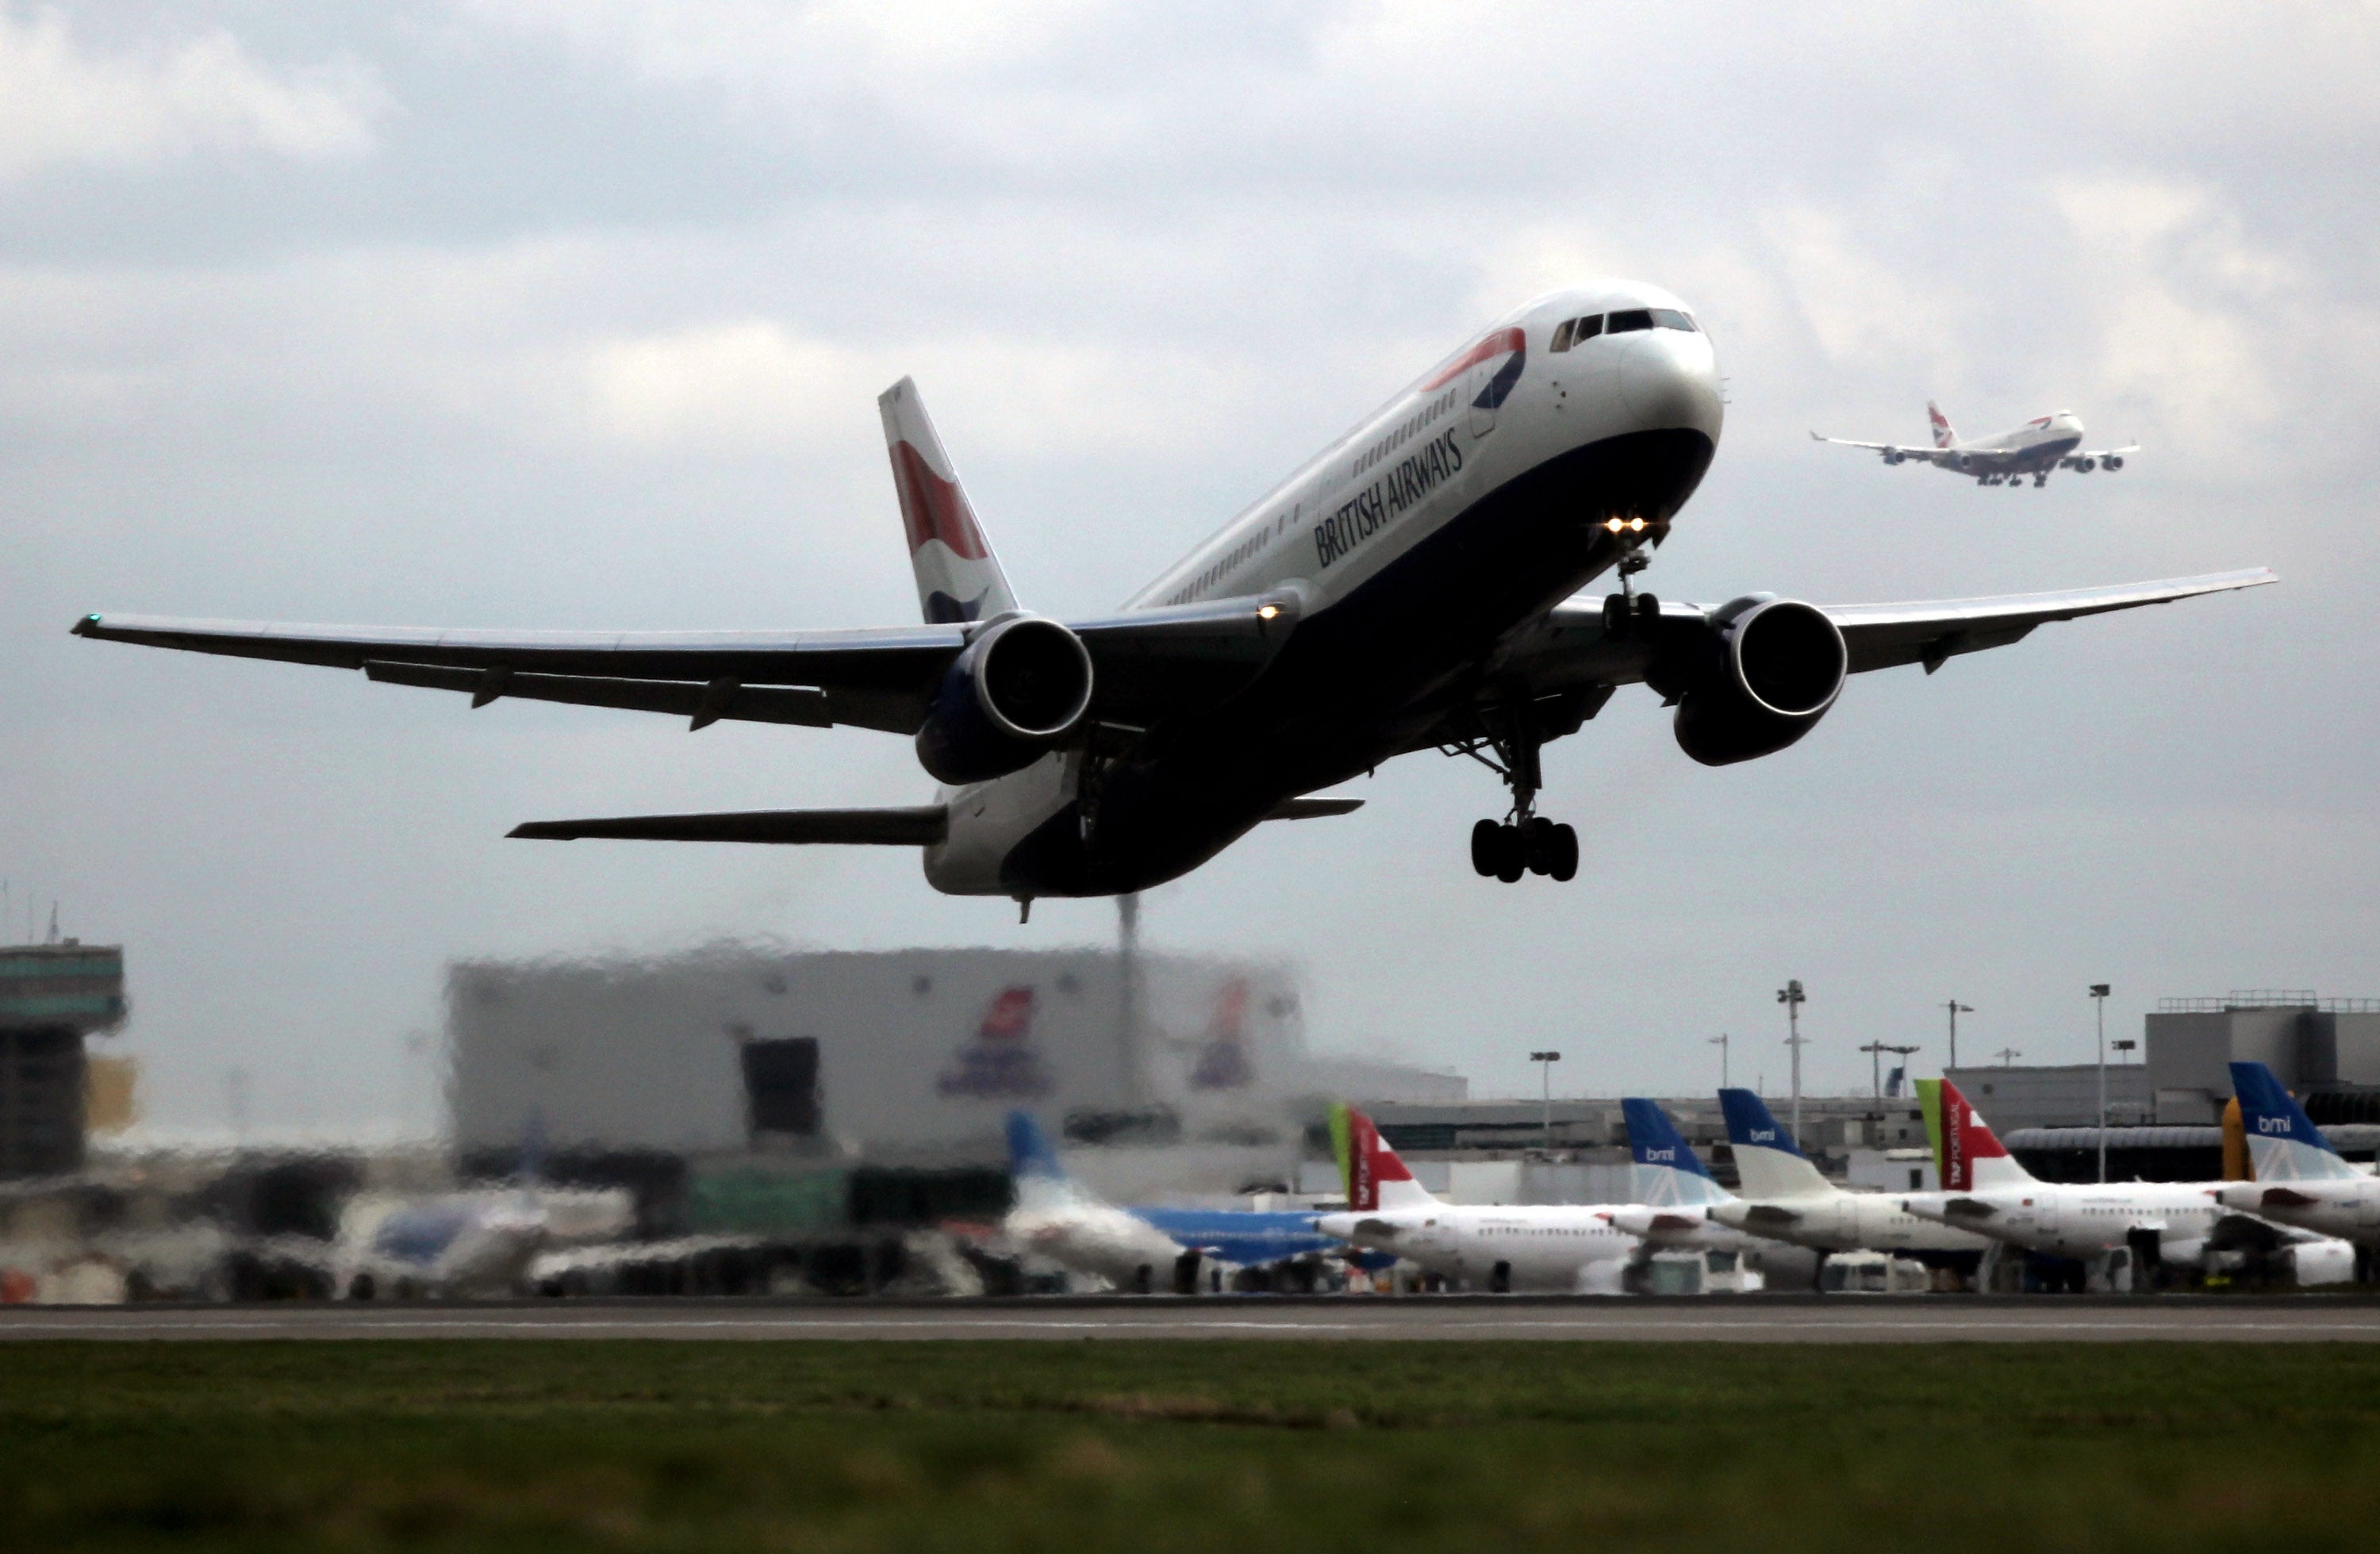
<point>2283,1143</point>
<point>1030,1159</point>
<point>1668,1171</point>
<point>1749,1124</point>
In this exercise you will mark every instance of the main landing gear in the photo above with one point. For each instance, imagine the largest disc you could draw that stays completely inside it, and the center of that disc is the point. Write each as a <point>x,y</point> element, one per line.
<point>1535,845</point>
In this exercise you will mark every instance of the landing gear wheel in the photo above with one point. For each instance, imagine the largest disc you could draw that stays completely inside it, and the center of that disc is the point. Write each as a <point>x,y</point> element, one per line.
<point>1615,614</point>
<point>1486,847</point>
<point>1564,863</point>
<point>1512,853</point>
<point>1537,846</point>
<point>1648,609</point>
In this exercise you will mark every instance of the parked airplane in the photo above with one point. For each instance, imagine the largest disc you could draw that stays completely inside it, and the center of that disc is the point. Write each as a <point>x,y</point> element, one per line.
<point>1528,1246</point>
<point>2301,1177</point>
<point>1782,1195</point>
<point>1056,1218</point>
<point>2040,446</point>
<point>492,1241</point>
<point>1404,590</point>
<point>1678,1198</point>
<point>1985,1190</point>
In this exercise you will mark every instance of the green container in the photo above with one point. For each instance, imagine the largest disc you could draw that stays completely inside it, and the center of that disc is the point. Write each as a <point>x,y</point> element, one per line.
<point>748,1201</point>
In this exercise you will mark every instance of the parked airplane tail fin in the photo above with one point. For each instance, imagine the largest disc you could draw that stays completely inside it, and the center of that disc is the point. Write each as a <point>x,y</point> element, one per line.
<point>958,577</point>
<point>1973,1158</point>
<point>1033,1166</point>
<point>2283,1143</point>
<point>2238,1164</point>
<point>1668,1171</point>
<point>1376,1179</point>
<point>1768,1163</point>
<point>1943,434</point>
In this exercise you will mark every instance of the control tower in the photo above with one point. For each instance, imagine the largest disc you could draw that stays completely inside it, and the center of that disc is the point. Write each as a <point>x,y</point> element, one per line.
<point>52,996</point>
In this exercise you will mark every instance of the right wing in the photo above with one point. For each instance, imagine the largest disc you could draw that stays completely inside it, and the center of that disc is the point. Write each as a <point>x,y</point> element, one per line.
<point>1881,635</point>
<point>1146,663</point>
<point>1929,455</point>
<point>916,825</point>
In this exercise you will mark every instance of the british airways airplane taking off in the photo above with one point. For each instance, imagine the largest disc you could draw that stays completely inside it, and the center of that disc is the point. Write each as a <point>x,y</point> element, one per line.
<point>1409,588</point>
<point>2040,446</point>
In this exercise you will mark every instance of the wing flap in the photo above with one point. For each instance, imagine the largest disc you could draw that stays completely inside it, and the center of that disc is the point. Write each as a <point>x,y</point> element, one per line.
<point>1314,808</point>
<point>700,702</point>
<point>918,825</point>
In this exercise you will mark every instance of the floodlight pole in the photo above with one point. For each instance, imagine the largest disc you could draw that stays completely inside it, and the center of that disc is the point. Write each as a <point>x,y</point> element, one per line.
<point>1792,996</point>
<point>1544,1061</point>
<point>2099,1003</point>
<point>1956,1008</point>
<point>1719,1041</point>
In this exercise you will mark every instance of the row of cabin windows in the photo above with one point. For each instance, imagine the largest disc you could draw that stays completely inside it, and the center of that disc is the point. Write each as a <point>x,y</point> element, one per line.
<point>1405,432</point>
<point>1578,331</point>
<point>1238,554</point>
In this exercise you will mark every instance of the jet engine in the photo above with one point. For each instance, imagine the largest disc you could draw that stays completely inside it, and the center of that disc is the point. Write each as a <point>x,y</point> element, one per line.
<point>1768,670</point>
<point>1016,691</point>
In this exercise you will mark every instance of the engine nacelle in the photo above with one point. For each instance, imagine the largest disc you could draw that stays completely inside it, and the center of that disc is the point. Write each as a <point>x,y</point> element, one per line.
<point>1778,665</point>
<point>1016,693</point>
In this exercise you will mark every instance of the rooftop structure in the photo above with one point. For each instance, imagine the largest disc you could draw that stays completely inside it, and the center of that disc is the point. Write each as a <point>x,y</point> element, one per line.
<point>50,997</point>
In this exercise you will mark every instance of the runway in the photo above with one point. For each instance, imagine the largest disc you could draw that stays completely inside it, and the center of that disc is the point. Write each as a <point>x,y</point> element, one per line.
<point>1760,1319</point>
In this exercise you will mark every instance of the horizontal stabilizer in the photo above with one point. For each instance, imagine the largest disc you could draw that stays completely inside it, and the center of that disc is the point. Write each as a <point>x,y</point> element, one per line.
<point>918,826</point>
<point>1315,808</point>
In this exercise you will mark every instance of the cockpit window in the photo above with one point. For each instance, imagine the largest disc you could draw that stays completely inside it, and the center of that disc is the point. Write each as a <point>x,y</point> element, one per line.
<point>1670,318</point>
<point>1562,335</point>
<point>1635,317</point>
<point>1588,328</point>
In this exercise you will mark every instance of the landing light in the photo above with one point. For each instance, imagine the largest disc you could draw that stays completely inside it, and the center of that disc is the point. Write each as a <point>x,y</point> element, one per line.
<point>1267,612</point>
<point>1615,524</point>
<point>1636,524</point>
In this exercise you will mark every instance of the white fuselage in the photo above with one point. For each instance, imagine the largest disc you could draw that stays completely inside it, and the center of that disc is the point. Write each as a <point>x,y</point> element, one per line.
<point>1099,1239</point>
<point>2068,1220</point>
<point>2033,448</point>
<point>2348,1209</point>
<point>1841,1221</point>
<point>1324,541</point>
<point>1546,1246</point>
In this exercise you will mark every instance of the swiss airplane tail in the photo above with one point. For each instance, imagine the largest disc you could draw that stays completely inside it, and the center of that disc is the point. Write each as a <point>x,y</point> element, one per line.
<point>1375,1178</point>
<point>958,577</point>
<point>2283,1143</point>
<point>1767,1162</point>
<point>1971,1155</point>
<point>1668,1171</point>
<point>1943,433</point>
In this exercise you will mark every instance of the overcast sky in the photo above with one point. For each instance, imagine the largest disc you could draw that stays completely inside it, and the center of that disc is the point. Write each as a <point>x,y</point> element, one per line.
<point>571,314</point>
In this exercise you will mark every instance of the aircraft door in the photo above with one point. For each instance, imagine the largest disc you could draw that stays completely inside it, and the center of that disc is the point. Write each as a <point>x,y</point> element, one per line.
<point>1477,393</point>
<point>2045,1217</point>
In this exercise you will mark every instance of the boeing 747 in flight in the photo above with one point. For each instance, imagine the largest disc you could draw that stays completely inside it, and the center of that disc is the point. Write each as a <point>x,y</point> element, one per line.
<point>1411,587</point>
<point>2040,446</point>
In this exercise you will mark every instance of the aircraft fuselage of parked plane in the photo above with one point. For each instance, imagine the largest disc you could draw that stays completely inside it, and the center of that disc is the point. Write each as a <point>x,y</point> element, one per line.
<point>1404,590</point>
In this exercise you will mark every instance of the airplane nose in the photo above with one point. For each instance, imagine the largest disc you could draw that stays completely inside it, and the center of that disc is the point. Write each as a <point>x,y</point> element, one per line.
<point>1669,378</point>
<point>1338,1226</point>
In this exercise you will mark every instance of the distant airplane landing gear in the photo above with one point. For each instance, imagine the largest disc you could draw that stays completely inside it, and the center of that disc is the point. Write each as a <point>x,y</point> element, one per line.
<point>2041,480</point>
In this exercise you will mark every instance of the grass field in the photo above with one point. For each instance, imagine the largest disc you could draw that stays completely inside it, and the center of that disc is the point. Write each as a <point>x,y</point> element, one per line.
<point>1152,1445</point>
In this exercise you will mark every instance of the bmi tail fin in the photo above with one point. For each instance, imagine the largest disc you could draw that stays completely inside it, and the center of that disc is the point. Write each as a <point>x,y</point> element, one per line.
<point>1769,1162</point>
<point>1943,434</point>
<point>1376,1178</point>
<point>2283,1143</point>
<point>1974,1158</point>
<point>1669,1174</point>
<point>958,577</point>
<point>1033,1166</point>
